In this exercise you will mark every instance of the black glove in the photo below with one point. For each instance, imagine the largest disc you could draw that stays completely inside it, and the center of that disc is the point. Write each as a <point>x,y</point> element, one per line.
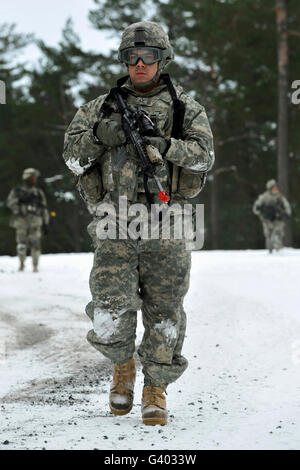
<point>110,133</point>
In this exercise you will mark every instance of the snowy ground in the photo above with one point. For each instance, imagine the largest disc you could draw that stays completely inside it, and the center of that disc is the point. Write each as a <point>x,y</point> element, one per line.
<point>242,387</point>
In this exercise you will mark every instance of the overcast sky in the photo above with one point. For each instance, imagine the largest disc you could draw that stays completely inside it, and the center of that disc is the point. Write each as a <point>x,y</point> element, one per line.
<point>46,19</point>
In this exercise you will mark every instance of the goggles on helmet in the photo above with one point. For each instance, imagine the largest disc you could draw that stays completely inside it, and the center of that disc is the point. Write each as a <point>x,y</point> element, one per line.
<point>149,55</point>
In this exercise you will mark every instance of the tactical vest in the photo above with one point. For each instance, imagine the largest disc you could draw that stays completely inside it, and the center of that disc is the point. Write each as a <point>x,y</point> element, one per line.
<point>272,207</point>
<point>127,181</point>
<point>29,202</point>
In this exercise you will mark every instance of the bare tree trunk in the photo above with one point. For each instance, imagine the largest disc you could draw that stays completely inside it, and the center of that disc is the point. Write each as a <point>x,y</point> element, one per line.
<point>282,120</point>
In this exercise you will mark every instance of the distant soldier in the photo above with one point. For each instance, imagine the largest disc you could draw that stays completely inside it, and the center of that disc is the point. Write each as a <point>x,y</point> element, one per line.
<point>29,216</point>
<point>272,208</point>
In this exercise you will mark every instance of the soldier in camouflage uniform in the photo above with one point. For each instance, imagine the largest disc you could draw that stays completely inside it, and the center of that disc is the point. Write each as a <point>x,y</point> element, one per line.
<point>272,208</point>
<point>29,214</point>
<point>140,274</point>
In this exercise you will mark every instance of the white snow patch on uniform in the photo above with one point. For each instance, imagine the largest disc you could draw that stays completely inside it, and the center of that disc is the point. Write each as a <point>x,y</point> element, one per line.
<point>75,166</point>
<point>105,324</point>
<point>199,167</point>
<point>116,309</point>
<point>168,329</point>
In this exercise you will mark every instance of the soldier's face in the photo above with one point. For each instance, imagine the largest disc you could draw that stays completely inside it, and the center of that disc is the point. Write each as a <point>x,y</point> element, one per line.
<point>274,189</point>
<point>32,180</point>
<point>141,73</point>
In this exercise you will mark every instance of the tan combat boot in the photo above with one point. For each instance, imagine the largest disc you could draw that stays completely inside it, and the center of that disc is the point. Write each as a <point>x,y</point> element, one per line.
<point>122,388</point>
<point>35,268</point>
<point>154,406</point>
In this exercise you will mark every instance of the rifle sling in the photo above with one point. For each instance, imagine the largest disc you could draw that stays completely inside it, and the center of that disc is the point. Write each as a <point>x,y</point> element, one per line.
<point>177,128</point>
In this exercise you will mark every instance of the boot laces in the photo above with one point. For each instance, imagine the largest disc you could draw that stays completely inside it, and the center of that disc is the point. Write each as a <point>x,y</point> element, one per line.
<point>120,370</point>
<point>121,385</point>
<point>153,396</point>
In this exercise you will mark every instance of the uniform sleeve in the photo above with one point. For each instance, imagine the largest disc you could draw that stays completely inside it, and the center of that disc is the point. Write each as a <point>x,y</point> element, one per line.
<point>195,151</point>
<point>287,206</point>
<point>80,148</point>
<point>13,202</point>
<point>257,204</point>
<point>45,214</point>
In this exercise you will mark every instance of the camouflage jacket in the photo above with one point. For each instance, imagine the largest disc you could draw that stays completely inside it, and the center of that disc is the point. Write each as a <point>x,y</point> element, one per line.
<point>27,202</point>
<point>271,206</point>
<point>193,155</point>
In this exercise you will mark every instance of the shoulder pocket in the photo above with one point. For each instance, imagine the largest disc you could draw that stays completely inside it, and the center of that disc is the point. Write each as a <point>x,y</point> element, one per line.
<point>190,183</point>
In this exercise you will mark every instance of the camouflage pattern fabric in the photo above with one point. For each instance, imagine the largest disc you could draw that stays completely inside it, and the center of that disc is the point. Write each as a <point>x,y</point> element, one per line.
<point>129,275</point>
<point>147,34</point>
<point>274,234</point>
<point>154,35</point>
<point>278,207</point>
<point>195,152</point>
<point>29,211</point>
<point>28,236</point>
<point>151,275</point>
<point>270,184</point>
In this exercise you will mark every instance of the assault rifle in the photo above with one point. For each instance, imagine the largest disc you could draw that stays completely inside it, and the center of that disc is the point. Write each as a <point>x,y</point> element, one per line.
<point>271,212</point>
<point>136,125</point>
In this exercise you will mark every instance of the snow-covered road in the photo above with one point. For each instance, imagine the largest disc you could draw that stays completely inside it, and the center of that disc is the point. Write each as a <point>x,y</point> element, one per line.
<point>242,387</point>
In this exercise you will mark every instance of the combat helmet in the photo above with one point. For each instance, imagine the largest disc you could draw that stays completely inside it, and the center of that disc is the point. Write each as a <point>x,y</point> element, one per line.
<point>271,183</point>
<point>147,34</point>
<point>28,172</point>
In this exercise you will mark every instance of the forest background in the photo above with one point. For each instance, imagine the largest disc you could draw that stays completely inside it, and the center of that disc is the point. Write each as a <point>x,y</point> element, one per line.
<point>238,58</point>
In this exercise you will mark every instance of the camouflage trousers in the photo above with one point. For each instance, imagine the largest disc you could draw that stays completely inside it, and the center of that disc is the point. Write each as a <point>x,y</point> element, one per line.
<point>29,236</point>
<point>274,234</point>
<point>147,275</point>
